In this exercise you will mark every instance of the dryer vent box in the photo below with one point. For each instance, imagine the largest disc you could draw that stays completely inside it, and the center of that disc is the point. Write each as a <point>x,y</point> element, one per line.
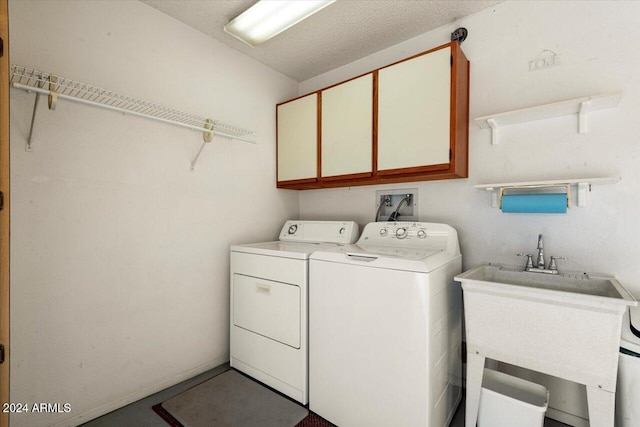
<point>389,199</point>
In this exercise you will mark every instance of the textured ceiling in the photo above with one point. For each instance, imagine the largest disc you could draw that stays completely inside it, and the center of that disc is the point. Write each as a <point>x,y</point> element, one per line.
<point>341,33</point>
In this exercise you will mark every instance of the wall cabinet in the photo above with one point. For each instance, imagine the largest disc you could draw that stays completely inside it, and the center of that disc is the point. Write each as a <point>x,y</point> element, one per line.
<point>347,129</point>
<point>414,99</point>
<point>297,136</point>
<point>404,122</point>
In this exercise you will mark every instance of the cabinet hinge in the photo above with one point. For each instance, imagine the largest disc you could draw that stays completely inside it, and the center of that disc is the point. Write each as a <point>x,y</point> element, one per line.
<point>451,60</point>
<point>1,200</point>
<point>1,354</point>
<point>1,47</point>
<point>450,154</point>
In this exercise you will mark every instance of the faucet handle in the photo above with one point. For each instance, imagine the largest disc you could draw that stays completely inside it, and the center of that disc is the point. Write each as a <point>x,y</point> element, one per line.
<point>552,263</point>
<point>529,259</point>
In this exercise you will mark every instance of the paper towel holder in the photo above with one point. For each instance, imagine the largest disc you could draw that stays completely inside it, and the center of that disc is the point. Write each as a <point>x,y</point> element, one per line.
<point>530,189</point>
<point>583,186</point>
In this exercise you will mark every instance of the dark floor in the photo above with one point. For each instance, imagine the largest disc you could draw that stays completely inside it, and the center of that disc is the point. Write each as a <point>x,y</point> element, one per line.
<point>140,414</point>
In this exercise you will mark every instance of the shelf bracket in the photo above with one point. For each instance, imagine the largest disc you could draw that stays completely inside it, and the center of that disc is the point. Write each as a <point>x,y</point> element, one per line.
<point>494,199</point>
<point>52,102</point>
<point>28,147</point>
<point>494,131</point>
<point>582,116</point>
<point>581,199</point>
<point>206,138</point>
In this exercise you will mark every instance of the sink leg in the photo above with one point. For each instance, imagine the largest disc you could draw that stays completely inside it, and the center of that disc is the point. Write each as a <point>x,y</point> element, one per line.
<point>601,407</point>
<point>475,370</point>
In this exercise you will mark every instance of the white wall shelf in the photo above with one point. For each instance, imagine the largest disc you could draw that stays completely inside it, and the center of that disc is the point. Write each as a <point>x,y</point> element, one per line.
<point>583,186</point>
<point>579,106</point>
<point>56,87</point>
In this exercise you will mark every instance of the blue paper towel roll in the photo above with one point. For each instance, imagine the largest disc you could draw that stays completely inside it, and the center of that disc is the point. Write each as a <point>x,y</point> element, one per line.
<point>534,203</point>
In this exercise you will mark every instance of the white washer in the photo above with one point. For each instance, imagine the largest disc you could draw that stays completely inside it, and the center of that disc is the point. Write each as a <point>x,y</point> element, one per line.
<point>269,304</point>
<point>385,328</point>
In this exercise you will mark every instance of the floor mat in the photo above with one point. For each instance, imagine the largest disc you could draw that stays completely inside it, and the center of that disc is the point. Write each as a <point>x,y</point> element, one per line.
<point>231,400</point>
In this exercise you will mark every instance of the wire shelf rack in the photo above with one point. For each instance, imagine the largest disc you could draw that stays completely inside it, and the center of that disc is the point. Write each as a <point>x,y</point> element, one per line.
<point>56,87</point>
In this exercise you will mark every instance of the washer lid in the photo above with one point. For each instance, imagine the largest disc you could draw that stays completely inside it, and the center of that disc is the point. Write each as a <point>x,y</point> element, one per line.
<point>630,339</point>
<point>388,257</point>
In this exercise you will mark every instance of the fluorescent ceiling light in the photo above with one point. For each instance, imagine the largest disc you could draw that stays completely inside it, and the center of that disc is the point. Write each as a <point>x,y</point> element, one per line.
<point>268,18</point>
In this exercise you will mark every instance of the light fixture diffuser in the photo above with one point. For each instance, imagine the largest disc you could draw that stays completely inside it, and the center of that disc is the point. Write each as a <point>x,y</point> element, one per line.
<point>268,18</point>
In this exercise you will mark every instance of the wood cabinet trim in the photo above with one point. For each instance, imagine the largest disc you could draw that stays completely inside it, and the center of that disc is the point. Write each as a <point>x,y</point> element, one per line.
<point>416,169</point>
<point>296,98</point>
<point>5,219</point>
<point>345,177</point>
<point>426,52</point>
<point>379,180</point>
<point>296,182</point>
<point>374,121</point>
<point>460,113</point>
<point>319,136</point>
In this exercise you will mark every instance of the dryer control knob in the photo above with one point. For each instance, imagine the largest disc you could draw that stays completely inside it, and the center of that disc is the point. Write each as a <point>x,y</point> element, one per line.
<point>422,234</point>
<point>383,232</point>
<point>401,233</point>
<point>293,229</point>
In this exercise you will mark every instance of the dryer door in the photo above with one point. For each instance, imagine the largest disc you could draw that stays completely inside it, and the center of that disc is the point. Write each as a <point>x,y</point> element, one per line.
<point>268,308</point>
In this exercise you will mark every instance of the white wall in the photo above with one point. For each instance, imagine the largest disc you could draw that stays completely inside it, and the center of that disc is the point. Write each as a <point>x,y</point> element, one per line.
<point>594,42</point>
<point>119,253</point>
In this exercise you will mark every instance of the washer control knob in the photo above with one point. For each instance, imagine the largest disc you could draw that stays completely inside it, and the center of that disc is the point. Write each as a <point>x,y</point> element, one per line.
<point>293,229</point>
<point>401,233</point>
<point>422,234</point>
<point>384,232</point>
<point>342,230</point>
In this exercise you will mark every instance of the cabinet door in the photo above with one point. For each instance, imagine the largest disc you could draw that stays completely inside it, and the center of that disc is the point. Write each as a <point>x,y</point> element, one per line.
<point>414,114</point>
<point>297,134</point>
<point>347,129</point>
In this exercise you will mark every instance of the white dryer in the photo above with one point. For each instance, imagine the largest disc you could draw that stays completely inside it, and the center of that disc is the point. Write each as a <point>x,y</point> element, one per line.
<point>385,328</point>
<point>269,304</point>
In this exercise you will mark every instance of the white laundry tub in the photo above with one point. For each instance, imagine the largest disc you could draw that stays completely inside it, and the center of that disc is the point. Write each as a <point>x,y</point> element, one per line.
<point>563,325</point>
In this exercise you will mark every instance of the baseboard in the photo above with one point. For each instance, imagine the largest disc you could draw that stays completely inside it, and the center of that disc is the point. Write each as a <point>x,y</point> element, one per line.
<point>140,394</point>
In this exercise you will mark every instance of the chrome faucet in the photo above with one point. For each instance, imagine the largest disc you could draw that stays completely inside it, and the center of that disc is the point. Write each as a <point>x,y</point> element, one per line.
<point>539,266</point>
<point>540,261</point>
<point>394,216</point>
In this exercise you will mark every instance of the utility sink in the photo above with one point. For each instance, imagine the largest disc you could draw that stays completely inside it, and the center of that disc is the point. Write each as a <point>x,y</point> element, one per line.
<point>566,325</point>
<point>582,284</point>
